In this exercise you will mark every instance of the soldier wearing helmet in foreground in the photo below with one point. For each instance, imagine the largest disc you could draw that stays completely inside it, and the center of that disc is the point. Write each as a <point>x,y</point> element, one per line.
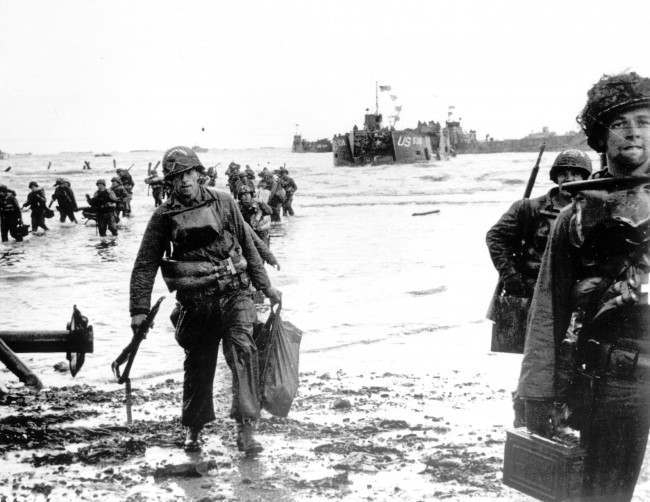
<point>587,350</point>
<point>516,243</point>
<point>200,241</point>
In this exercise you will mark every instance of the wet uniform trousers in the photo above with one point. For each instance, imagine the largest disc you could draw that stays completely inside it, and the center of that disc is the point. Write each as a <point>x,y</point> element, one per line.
<point>201,325</point>
<point>106,220</point>
<point>286,206</point>
<point>38,220</point>
<point>66,212</point>
<point>615,440</point>
<point>9,226</point>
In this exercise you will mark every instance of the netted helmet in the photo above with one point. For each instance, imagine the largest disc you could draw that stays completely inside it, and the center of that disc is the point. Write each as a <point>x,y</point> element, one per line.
<point>610,95</point>
<point>180,159</point>
<point>571,159</point>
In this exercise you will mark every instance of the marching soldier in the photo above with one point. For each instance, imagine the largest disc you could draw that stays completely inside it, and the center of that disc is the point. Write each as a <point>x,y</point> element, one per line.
<point>104,202</point>
<point>127,182</point>
<point>66,201</point>
<point>290,188</point>
<point>10,215</point>
<point>587,342</point>
<point>37,202</point>
<point>256,213</point>
<point>212,263</point>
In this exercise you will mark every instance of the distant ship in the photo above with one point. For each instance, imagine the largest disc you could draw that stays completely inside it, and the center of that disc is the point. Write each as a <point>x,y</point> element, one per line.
<point>199,149</point>
<point>103,155</point>
<point>3,155</point>
<point>301,145</point>
<point>463,142</point>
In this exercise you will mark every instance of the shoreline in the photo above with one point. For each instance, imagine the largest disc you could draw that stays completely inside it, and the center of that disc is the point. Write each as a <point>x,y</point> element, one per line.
<point>404,418</point>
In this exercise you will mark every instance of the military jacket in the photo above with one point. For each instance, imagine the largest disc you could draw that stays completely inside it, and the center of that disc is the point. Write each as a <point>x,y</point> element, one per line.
<point>216,233</point>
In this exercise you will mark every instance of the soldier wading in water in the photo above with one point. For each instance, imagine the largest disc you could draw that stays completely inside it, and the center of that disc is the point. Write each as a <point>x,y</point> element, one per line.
<point>199,239</point>
<point>587,348</point>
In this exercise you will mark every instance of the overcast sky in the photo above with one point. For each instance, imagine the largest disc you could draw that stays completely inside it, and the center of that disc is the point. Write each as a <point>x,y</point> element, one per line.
<point>122,75</point>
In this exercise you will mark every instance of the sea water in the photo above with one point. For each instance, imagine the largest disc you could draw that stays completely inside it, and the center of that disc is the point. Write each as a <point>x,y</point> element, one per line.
<point>356,266</point>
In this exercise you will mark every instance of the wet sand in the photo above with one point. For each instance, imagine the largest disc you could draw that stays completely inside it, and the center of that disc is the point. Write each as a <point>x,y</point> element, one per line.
<point>371,422</point>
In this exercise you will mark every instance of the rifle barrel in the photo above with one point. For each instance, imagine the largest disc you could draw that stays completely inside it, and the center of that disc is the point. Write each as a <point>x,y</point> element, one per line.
<point>533,173</point>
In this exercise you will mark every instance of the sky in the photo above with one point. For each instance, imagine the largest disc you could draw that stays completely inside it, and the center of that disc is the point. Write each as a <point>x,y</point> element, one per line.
<point>88,75</point>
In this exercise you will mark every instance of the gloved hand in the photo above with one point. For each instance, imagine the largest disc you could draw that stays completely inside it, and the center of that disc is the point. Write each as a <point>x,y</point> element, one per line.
<point>540,417</point>
<point>275,295</point>
<point>514,285</point>
<point>136,321</point>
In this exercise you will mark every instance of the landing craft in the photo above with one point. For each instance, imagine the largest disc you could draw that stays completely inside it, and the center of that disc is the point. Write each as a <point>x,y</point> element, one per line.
<point>376,144</point>
<point>301,145</point>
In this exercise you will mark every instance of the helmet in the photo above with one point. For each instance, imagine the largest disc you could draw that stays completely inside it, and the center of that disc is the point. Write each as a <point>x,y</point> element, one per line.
<point>244,189</point>
<point>611,94</point>
<point>284,170</point>
<point>101,181</point>
<point>3,188</point>
<point>571,159</point>
<point>180,159</point>
<point>58,181</point>
<point>115,178</point>
<point>33,184</point>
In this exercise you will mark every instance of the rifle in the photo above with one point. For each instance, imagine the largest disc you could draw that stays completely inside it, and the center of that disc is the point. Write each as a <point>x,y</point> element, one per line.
<point>533,173</point>
<point>129,353</point>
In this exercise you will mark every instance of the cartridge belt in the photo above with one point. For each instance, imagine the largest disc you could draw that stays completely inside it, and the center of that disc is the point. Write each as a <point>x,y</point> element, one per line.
<point>618,360</point>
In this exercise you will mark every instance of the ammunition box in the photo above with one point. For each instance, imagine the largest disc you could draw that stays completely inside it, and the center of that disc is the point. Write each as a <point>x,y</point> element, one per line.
<point>546,469</point>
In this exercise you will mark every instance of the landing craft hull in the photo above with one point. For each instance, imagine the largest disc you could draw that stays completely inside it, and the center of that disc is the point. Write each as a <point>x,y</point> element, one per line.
<point>405,147</point>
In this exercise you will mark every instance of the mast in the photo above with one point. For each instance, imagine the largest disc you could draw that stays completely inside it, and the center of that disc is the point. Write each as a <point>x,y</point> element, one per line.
<point>376,98</point>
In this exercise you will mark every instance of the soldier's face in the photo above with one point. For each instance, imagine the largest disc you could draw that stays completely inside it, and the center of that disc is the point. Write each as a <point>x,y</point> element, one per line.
<point>186,184</point>
<point>568,175</point>
<point>245,198</point>
<point>628,141</point>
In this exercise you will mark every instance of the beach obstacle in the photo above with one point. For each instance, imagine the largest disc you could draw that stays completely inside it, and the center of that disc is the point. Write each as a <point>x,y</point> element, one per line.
<point>76,341</point>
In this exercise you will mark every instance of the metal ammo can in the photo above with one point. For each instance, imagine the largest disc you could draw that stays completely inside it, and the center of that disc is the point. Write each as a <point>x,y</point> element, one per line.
<point>546,469</point>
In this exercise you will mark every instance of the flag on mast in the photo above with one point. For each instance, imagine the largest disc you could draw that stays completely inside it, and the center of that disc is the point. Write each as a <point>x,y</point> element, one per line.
<point>384,88</point>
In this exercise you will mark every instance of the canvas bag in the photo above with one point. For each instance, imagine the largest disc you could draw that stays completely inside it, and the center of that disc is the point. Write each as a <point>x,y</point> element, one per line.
<point>278,343</point>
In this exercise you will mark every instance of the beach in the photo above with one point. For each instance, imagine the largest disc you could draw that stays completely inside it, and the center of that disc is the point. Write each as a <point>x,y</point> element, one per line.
<point>399,399</point>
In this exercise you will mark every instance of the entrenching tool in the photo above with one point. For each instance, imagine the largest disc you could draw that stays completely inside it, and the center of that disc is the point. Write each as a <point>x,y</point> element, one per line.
<point>128,355</point>
<point>76,341</point>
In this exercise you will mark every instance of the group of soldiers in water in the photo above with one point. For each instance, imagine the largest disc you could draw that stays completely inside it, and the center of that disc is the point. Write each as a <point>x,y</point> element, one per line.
<point>260,205</point>
<point>105,206</point>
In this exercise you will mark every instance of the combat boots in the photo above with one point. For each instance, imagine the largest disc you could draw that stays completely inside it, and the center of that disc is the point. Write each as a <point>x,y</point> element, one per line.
<point>245,440</point>
<point>192,439</point>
